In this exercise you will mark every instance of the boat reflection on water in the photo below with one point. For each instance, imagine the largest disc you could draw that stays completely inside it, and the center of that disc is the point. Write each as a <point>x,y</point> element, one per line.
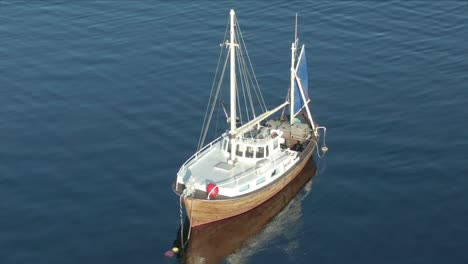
<point>213,243</point>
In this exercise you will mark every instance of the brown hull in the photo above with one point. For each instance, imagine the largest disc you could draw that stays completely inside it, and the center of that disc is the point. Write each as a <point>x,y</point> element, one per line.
<point>213,243</point>
<point>202,211</point>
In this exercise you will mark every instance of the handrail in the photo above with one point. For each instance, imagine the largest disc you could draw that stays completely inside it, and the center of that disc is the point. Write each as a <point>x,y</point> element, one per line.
<point>195,156</point>
<point>232,179</point>
<point>256,140</point>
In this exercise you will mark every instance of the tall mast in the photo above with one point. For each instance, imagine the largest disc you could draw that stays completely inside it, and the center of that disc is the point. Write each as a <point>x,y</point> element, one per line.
<point>295,30</point>
<point>233,84</point>
<point>293,75</point>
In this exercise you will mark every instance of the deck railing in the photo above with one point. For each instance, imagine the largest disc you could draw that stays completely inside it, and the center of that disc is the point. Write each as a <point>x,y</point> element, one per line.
<point>200,153</point>
<point>253,170</point>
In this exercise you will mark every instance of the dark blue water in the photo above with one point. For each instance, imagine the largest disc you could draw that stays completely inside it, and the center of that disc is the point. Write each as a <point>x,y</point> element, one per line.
<point>101,102</point>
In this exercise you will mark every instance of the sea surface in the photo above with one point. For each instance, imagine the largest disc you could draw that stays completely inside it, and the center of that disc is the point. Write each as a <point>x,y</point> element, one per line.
<point>102,101</point>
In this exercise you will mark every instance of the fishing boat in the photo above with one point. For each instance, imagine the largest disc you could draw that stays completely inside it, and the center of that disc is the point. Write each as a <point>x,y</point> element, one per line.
<point>258,154</point>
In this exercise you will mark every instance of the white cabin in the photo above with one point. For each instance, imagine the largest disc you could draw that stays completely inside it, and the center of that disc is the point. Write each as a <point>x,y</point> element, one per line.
<point>259,159</point>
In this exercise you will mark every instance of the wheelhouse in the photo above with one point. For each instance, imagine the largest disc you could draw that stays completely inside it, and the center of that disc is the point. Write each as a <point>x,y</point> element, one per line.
<point>254,146</point>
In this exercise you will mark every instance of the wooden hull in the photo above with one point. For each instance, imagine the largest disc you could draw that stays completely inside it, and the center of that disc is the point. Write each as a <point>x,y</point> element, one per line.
<point>213,243</point>
<point>203,211</point>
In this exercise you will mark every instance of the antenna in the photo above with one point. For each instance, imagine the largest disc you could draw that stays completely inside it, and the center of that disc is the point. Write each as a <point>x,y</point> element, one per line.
<point>295,31</point>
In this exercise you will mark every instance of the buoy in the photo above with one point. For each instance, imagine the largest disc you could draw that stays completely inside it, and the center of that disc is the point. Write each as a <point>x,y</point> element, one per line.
<point>324,149</point>
<point>175,249</point>
<point>212,190</point>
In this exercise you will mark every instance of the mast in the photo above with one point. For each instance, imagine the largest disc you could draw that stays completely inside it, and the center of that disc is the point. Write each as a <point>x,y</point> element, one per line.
<point>232,51</point>
<point>301,89</point>
<point>293,74</point>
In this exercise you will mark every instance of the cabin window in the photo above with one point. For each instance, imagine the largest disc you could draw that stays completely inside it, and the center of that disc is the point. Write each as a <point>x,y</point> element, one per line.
<point>275,144</point>
<point>250,152</point>
<point>244,188</point>
<point>260,152</point>
<point>260,180</point>
<point>267,148</point>
<point>240,150</point>
<point>229,144</point>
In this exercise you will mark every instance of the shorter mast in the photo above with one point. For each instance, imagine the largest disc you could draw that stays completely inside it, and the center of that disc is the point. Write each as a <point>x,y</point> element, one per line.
<point>306,100</point>
<point>293,74</point>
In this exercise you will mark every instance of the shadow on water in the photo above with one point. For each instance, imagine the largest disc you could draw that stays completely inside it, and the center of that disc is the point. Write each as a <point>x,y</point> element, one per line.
<point>214,243</point>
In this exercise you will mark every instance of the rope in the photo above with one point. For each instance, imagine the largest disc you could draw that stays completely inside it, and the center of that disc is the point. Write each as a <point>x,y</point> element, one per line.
<point>190,220</point>
<point>181,220</point>
<point>318,154</point>
<point>208,197</point>
<point>181,212</point>
<point>324,143</point>
<point>324,133</point>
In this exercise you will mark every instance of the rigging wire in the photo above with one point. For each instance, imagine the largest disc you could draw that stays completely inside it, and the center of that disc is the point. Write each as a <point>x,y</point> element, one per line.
<point>207,125</point>
<point>217,118</point>
<point>242,85</point>
<point>245,76</point>
<point>238,108</point>
<point>287,99</point>
<point>247,82</point>
<point>259,94</point>
<point>200,141</point>
<point>250,100</point>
